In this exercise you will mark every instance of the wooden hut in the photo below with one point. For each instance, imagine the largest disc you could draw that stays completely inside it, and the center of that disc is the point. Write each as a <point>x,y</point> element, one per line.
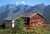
<point>34,19</point>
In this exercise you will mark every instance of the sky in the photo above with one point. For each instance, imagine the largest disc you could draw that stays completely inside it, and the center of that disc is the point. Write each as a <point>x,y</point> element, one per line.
<point>28,2</point>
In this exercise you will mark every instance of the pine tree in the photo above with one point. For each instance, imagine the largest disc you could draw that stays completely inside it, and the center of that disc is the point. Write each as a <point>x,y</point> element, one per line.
<point>20,24</point>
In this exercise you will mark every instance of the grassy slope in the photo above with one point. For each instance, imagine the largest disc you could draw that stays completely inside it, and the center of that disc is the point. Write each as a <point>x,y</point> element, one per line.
<point>39,30</point>
<point>31,30</point>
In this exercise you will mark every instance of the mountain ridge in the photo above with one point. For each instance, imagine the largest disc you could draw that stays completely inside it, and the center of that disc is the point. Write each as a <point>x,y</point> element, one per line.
<point>10,10</point>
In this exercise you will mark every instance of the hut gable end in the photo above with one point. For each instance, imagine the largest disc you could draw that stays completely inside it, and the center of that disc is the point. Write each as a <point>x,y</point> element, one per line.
<point>36,19</point>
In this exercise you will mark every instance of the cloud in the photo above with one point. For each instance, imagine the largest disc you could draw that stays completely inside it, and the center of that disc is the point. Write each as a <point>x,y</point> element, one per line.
<point>17,3</point>
<point>22,2</point>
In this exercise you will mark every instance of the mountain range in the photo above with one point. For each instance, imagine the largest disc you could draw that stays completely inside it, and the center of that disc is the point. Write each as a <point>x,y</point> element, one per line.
<point>11,10</point>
